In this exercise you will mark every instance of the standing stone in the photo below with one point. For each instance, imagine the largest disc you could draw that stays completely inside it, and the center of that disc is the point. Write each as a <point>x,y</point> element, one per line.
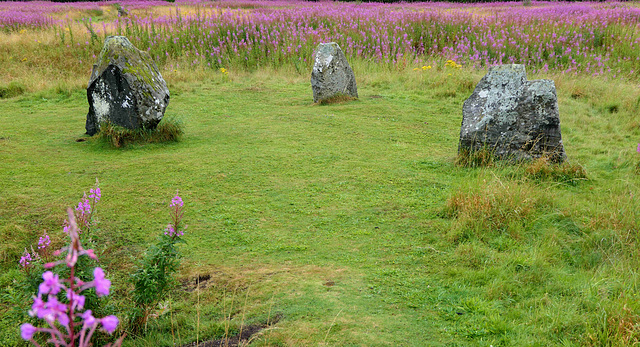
<point>514,118</point>
<point>332,75</point>
<point>125,88</point>
<point>121,11</point>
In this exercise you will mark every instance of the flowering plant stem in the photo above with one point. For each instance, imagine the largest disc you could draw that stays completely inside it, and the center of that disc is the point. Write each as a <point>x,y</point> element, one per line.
<point>63,320</point>
<point>154,278</point>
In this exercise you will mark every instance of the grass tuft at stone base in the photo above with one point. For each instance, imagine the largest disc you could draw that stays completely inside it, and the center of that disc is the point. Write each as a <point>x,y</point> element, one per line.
<point>482,157</point>
<point>169,130</point>
<point>338,99</point>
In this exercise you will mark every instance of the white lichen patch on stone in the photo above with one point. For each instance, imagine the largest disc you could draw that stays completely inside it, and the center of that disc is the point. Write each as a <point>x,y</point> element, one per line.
<point>324,56</point>
<point>101,107</point>
<point>125,103</point>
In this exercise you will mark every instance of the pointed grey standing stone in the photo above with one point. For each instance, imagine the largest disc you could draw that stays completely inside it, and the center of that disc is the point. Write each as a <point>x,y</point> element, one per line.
<point>332,75</point>
<point>125,88</point>
<point>514,118</point>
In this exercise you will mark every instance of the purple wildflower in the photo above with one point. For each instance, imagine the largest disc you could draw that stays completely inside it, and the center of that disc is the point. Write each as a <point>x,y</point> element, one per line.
<point>37,306</point>
<point>26,259</point>
<point>102,284</point>
<point>57,313</point>
<point>94,194</point>
<point>88,318</point>
<point>78,300</point>
<point>170,230</point>
<point>66,226</point>
<point>109,323</point>
<point>44,241</point>
<point>51,311</point>
<point>27,330</point>
<point>176,201</point>
<point>83,206</point>
<point>50,285</point>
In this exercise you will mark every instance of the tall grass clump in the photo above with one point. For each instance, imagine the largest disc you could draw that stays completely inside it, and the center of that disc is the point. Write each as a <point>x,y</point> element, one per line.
<point>12,89</point>
<point>496,208</point>
<point>168,130</point>
<point>471,157</point>
<point>544,170</point>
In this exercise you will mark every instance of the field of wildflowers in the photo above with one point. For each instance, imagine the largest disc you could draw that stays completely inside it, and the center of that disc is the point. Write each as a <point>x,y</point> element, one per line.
<point>587,37</point>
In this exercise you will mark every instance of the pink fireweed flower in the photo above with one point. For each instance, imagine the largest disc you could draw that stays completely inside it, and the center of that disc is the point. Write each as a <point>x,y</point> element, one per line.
<point>66,226</point>
<point>109,323</point>
<point>95,194</point>
<point>27,330</point>
<point>69,315</point>
<point>50,311</point>
<point>102,284</point>
<point>50,285</point>
<point>83,206</point>
<point>37,306</point>
<point>74,250</point>
<point>44,241</point>
<point>26,259</point>
<point>88,318</point>
<point>176,201</point>
<point>638,150</point>
<point>78,300</point>
<point>170,231</point>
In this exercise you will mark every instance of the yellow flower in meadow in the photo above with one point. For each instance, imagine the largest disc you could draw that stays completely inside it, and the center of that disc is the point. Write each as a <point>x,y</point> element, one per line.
<point>224,71</point>
<point>23,31</point>
<point>453,64</point>
<point>424,68</point>
<point>24,59</point>
<point>416,68</point>
<point>428,67</point>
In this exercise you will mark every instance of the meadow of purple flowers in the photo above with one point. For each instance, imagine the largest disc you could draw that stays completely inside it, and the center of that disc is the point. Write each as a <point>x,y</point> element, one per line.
<point>587,37</point>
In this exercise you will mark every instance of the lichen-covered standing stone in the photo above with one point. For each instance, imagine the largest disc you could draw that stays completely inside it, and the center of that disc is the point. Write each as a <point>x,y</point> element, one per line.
<point>514,118</point>
<point>125,88</point>
<point>332,75</point>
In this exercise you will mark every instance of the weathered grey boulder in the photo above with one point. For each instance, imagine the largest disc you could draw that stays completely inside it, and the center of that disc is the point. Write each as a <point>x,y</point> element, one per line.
<point>332,75</point>
<point>122,11</point>
<point>125,88</point>
<point>514,118</point>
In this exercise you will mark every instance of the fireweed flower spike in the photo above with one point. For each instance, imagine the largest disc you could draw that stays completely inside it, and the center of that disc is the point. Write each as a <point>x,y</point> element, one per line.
<point>69,315</point>
<point>176,201</point>
<point>74,250</point>
<point>44,241</point>
<point>26,259</point>
<point>173,229</point>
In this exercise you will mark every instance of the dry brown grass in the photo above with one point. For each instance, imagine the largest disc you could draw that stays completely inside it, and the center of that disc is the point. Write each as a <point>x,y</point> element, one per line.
<point>543,169</point>
<point>496,207</point>
<point>619,328</point>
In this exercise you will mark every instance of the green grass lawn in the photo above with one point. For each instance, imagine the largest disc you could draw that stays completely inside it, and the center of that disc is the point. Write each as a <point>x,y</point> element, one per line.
<point>350,222</point>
